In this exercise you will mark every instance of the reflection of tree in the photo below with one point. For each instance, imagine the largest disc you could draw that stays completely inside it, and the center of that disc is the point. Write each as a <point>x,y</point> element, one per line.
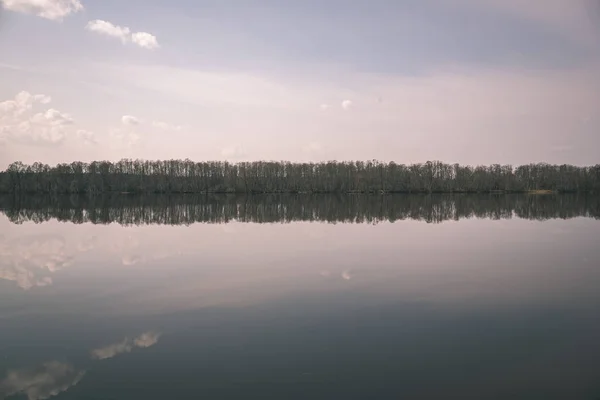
<point>188,209</point>
<point>42,382</point>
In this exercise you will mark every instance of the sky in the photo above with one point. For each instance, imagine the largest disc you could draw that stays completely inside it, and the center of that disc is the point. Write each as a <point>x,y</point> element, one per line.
<point>467,81</point>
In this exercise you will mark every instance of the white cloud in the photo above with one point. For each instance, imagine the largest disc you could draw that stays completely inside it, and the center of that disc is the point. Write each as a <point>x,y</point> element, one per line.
<point>346,104</point>
<point>346,275</point>
<point>145,40</point>
<point>54,116</point>
<point>43,382</point>
<point>42,98</point>
<point>108,29</point>
<point>49,9</point>
<point>46,127</point>
<point>142,39</point>
<point>166,126</point>
<point>127,137</point>
<point>17,124</point>
<point>130,120</point>
<point>146,339</point>
<point>87,137</point>
<point>234,152</point>
<point>313,147</point>
<point>324,107</point>
<point>438,112</point>
<point>22,103</point>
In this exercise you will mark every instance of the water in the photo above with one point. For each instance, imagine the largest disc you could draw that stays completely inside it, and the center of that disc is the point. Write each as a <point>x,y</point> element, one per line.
<point>318,297</point>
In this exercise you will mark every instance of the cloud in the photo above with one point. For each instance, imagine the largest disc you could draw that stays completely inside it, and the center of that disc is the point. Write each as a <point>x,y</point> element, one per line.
<point>234,152</point>
<point>108,29</point>
<point>18,125</point>
<point>49,9</point>
<point>127,137</point>
<point>346,104</point>
<point>145,340</point>
<point>346,275</point>
<point>142,39</point>
<point>145,40</point>
<point>166,126</point>
<point>87,137</point>
<point>42,98</point>
<point>313,147</point>
<point>324,107</point>
<point>22,103</point>
<point>130,120</point>
<point>42,382</point>
<point>27,261</point>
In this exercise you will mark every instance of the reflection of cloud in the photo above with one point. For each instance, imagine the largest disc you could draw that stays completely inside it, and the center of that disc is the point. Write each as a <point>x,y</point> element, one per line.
<point>229,228</point>
<point>131,260</point>
<point>88,244</point>
<point>131,252</point>
<point>146,339</point>
<point>134,259</point>
<point>27,261</point>
<point>40,383</point>
<point>112,350</point>
<point>346,275</point>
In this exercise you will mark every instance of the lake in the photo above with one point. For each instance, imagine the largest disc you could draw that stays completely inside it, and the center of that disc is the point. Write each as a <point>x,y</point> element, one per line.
<point>300,297</point>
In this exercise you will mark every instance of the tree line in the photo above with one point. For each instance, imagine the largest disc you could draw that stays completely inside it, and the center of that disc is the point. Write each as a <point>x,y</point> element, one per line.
<point>286,208</point>
<point>186,176</point>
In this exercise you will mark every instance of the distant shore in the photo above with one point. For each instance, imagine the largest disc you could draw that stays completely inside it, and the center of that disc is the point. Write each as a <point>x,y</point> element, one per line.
<point>262,177</point>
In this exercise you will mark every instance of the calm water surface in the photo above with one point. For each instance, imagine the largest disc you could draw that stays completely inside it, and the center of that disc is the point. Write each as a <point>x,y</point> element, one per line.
<point>409,297</point>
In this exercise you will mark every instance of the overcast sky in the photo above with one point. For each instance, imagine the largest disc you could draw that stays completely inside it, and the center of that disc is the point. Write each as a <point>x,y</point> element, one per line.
<point>468,81</point>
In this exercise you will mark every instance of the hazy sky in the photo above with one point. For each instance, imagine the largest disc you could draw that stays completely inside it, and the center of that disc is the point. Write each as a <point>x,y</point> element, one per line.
<point>469,81</point>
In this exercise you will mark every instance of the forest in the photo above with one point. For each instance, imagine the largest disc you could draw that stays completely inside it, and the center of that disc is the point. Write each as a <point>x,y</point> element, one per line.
<point>186,176</point>
<point>186,209</point>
